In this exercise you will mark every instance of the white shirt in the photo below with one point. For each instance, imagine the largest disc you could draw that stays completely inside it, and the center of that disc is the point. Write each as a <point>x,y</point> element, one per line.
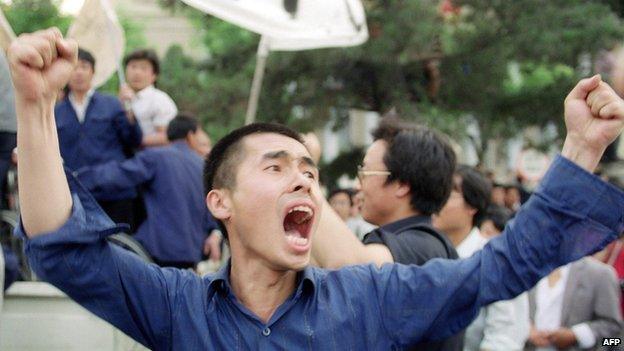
<point>360,227</point>
<point>548,309</point>
<point>153,108</point>
<point>471,244</point>
<point>501,326</point>
<point>81,108</point>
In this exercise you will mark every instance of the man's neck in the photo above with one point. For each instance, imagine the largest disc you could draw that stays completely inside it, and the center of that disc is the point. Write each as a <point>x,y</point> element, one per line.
<point>457,236</point>
<point>398,215</point>
<point>259,288</point>
<point>79,96</point>
<point>136,91</point>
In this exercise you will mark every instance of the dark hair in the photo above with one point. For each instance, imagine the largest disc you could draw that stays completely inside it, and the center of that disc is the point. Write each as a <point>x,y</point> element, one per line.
<point>476,190</point>
<point>420,157</point>
<point>348,192</point>
<point>180,126</point>
<point>221,165</point>
<point>143,54</point>
<point>499,216</point>
<point>84,55</point>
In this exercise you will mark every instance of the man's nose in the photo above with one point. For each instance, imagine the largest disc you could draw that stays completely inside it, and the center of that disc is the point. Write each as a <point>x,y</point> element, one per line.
<point>301,182</point>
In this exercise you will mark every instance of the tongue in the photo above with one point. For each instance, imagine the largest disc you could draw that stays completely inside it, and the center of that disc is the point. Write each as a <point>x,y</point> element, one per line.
<point>291,223</point>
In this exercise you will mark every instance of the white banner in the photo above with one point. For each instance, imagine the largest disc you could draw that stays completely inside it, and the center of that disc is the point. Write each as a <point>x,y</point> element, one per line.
<point>6,33</point>
<point>97,30</point>
<point>290,25</point>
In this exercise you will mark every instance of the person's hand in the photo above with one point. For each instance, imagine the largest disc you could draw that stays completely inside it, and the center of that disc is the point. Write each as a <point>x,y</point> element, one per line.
<point>212,246</point>
<point>539,338</point>
<point>126,94</point>
<point>594,117</point>
<point>562,338</point>
<point>41,64</point>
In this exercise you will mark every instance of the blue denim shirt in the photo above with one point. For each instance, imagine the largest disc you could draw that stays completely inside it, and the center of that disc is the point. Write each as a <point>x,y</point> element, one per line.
<point>178,220</point>
<point>99,139</point>
<point>571,215</point>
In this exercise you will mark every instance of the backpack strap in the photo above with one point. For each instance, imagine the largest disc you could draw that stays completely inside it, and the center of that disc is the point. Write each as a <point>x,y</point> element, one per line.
<point>425,228</point>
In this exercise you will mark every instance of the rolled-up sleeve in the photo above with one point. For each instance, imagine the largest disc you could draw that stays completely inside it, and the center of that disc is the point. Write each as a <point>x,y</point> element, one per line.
<point>572,214</point>
<point>114,284</point>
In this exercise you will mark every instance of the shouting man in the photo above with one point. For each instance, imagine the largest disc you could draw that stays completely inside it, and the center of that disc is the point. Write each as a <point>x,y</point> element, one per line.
<point>263,187</point>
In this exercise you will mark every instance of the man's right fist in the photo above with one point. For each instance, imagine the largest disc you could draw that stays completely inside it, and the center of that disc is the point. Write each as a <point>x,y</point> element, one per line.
<point>41,64</point>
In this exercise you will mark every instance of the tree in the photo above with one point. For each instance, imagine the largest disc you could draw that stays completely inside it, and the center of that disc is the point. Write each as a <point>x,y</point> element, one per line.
<point>507,64</point>
<point>27,16</point>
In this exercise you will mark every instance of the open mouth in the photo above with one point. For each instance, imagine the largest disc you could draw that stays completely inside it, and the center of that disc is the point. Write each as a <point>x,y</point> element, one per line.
<point>297,225</point>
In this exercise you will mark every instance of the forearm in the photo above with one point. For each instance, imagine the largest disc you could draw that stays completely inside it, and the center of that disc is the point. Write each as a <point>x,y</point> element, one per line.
<point>334,245</point>
<point>584,156</point>
<point>45,200</point>
<point>116,176</point>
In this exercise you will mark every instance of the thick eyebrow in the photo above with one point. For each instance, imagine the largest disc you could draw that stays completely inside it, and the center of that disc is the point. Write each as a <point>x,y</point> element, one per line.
<point>282,154</point>
<point>308,161</point>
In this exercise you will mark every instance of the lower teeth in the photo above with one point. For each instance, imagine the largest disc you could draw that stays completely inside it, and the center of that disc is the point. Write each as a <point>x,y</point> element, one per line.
<point>297,240</point>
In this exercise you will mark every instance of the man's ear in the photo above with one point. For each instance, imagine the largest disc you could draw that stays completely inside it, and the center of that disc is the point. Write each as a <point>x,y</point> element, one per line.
<point>190,138</point>
<point>402,190</point>
<point>219,204</point>
<point>473,211</point>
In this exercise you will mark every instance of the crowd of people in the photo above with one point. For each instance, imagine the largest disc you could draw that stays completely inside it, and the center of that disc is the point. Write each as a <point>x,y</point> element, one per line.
<point>133,163</point>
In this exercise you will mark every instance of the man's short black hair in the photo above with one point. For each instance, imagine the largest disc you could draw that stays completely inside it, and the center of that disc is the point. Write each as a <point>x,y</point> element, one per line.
<point>347,192</point>
<point>180,126</point>
<point>220,168</point>
<point>144,54</point>
<point>84,55</point>
<point>476,190</point>
<point>420,157</point>
<point>499,216</point>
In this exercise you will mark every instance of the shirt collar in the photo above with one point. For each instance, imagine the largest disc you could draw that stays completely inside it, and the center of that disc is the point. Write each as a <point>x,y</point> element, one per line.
<point>396,226</point>
<point>221,279</point>
<point>86,100</point>
<point>472,243</point>
<point>146,91</point>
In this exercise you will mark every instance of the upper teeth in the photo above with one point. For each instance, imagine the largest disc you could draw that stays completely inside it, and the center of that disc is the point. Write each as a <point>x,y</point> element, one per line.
<point>305,209</point>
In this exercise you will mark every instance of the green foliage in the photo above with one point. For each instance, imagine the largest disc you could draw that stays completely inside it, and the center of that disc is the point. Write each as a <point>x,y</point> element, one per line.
<point>27,16</point>
<point>472,48</point>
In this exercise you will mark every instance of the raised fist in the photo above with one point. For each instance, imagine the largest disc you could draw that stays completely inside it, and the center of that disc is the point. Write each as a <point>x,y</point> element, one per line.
<point>41,64</point>
<point>594,117</point>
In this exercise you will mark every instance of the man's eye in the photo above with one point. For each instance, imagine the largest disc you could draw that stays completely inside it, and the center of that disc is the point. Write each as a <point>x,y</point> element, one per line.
<point>274,168</point>
<point>310,175</point>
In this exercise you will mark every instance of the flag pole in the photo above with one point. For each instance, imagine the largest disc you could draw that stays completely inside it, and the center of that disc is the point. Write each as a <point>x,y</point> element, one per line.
<point>6,32</point>
<point>256,86</point>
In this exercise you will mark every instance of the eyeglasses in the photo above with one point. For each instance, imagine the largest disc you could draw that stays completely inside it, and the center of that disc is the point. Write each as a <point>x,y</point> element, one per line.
<point>361,173</point>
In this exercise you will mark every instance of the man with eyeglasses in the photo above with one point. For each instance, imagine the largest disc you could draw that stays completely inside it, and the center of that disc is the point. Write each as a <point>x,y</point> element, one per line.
<point>406,176</point>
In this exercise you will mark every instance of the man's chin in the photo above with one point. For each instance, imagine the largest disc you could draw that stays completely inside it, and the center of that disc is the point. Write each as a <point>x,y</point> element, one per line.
<point>298,263</point>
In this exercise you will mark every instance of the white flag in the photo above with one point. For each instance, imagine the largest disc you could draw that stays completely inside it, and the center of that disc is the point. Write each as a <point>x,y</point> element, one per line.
<point>6,32</point>
<point>290,25</point>
<point>97,30</point>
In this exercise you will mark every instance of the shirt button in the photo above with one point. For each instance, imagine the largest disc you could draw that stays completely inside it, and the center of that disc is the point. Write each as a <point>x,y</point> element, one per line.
<point>266,331</point>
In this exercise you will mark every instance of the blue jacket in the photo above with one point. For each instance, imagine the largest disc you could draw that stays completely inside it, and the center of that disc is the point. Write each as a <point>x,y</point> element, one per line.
<point>101,138</point>
<point>177,218</point>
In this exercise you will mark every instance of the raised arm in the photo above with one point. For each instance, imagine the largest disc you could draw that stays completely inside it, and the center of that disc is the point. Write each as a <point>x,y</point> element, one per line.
<point>594,117</point>
<point>572,214</point>
<point>335,245</point>
<point>66,232</point>
<point>41,64</point>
